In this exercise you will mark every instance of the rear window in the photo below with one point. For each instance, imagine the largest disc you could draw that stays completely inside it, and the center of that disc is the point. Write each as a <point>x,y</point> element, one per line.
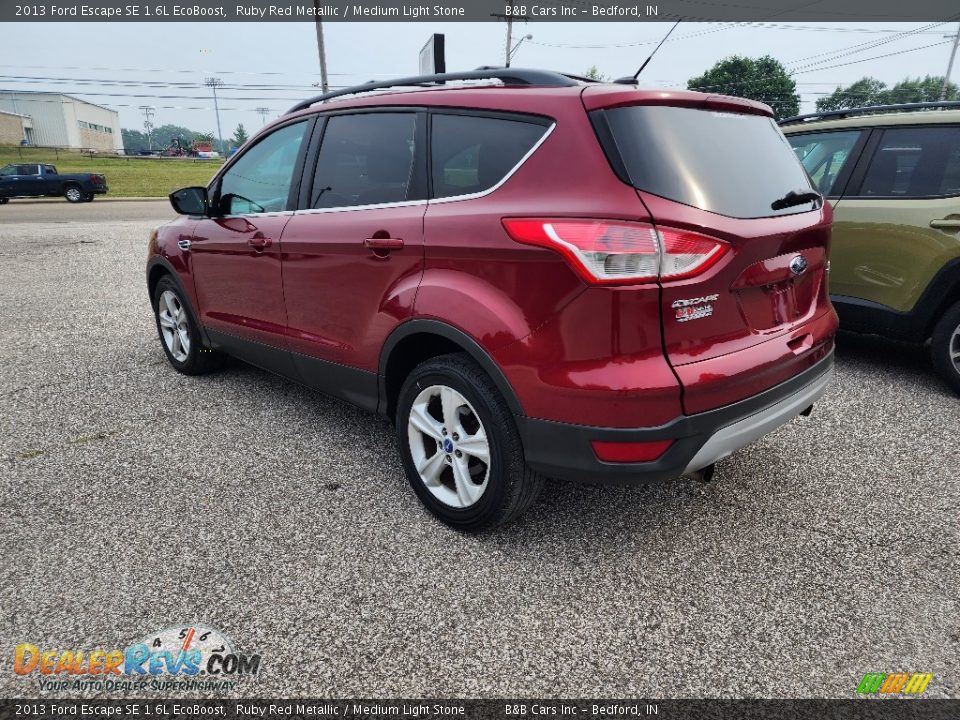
<point>727,163</point>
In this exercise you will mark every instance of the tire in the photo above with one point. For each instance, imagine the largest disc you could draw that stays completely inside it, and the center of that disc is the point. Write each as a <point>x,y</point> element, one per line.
<point>4,201</point>
<point>179,332</point>
<point>456,485</point>
<point>945,347</point>
<point>73,193</point>
<point>89,197</point>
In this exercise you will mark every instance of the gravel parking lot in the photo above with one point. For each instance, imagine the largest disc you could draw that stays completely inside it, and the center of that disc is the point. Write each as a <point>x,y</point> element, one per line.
<point>133,499</point>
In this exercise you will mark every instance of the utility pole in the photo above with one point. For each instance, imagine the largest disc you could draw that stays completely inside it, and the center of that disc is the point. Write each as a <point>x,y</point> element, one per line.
<point>213,83</point>
<point>508,51</point>
<point>324,85</point>
<point>148,113</point>
<point>263,112</point>
<point>953,54</point>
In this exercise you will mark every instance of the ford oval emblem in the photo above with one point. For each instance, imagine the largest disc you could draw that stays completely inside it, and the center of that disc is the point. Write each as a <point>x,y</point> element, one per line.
<point>798,265</point>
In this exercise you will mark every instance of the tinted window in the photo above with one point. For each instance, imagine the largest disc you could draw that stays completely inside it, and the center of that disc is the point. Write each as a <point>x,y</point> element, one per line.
<point>727,163</point>
<point>49,169</point>
<point>365,160</point>
<point>8,170</point>
<point>471,154</point>
<point>28,170</point>
<point>823,155</point>
<point>259,181</point>
<point>914,162</point>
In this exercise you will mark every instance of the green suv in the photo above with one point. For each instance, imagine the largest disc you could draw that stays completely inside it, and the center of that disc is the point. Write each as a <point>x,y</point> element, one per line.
<point>892,174</point>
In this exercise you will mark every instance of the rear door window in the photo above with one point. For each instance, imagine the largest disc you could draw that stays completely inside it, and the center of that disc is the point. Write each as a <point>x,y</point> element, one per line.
<point>914,162</point>
<point>732,164</point>
<point>366,159</point>
<point>473,153</point>
<point>824,155</point>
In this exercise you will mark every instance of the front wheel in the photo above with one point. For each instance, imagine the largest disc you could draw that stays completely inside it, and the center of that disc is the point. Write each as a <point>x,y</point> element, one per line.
<point>945,347</point>
<point>179,333</point>
<point>460,446</point>
<point>73,194</point>
<point>4,201</point>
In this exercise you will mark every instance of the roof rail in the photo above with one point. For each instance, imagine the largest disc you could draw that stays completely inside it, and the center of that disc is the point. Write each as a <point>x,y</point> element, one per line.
<point>848,112</point>
<point>508,76</point>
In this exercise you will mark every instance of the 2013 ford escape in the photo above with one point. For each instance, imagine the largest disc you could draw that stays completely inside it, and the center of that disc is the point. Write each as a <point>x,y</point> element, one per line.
<point>530,275</point>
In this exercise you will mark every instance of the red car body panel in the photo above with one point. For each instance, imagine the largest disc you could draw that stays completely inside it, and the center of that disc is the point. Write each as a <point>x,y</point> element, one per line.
<point>343,299</point>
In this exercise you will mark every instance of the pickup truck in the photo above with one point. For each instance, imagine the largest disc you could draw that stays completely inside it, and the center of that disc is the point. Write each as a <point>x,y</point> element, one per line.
<point>40,180</point>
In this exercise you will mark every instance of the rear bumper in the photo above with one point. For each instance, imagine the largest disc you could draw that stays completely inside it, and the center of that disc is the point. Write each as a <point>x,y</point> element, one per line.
<point>564,451</point>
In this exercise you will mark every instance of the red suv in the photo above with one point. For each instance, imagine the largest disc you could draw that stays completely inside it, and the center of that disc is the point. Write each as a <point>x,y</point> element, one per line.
<point>535,276</point>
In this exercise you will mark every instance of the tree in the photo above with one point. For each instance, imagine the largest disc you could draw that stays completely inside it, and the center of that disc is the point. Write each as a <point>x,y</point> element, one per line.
<point>917,90</point>
<point>134,141</point>
<point>239,136</point>
<point>593,73</point>
<point>865,91</point>
<point>763,79</point>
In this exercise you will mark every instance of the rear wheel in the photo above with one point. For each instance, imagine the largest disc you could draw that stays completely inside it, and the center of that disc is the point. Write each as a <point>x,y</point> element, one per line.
<point>89,197</point>
<point>460,446</point>
<point>945,347</point>
<point>73,194</point>
<point>179,332</point>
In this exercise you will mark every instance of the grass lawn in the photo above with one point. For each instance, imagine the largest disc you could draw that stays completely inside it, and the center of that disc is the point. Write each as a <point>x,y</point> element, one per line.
<point>126,176</point>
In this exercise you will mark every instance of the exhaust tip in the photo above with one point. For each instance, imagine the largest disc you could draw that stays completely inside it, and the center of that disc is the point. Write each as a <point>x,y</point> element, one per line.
<point>703,474</point>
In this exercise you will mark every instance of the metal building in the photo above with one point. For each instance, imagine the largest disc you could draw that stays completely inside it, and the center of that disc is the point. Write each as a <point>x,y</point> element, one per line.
<point>57,120</point>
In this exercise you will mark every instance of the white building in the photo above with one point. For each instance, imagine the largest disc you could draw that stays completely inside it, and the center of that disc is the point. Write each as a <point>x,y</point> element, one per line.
<point>58,120</point>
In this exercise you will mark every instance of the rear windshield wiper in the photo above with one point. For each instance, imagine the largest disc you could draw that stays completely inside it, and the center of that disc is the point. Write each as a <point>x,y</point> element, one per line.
<point>794,198</point>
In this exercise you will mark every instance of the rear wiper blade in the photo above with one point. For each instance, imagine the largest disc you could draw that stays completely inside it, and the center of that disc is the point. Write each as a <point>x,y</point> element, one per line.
<point>794,198</point>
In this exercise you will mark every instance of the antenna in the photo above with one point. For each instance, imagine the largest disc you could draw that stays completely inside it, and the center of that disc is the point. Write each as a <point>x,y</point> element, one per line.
<point>633,80</point>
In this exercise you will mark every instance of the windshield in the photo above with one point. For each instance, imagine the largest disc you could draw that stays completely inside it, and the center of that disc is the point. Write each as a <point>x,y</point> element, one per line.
<point>728,163</point>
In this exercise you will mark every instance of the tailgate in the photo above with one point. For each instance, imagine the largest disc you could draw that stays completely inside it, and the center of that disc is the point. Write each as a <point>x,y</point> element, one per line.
<point>761,314</point>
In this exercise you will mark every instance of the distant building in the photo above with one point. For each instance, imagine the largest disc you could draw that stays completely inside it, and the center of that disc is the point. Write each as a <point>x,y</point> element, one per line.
<point>58,120</point>
<point>14,127</point>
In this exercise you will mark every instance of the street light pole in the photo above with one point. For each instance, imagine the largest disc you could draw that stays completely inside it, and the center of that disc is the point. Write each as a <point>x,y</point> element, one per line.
<point>213,83</point>
<point>953,54</point>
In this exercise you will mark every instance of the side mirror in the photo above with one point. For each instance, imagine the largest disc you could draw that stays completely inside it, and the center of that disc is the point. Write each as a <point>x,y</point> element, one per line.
<point>190,201</point>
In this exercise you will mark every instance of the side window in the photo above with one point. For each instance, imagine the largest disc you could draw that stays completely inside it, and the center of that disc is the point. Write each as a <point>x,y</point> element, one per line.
<point>473,153</point>
<point>259,181</point>
<point>914,162</point>
<point>365,159</point>
<point>8,171</point>
<point>823,155</point>
<point>28,170</point>
<point>49,170</point>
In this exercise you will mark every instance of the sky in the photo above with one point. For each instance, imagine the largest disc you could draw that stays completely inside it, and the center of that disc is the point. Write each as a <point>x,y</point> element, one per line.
<point>273,65</point>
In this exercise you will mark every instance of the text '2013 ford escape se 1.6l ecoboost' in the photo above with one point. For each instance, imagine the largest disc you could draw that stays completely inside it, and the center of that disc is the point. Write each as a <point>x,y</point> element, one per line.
<point>531,277</point>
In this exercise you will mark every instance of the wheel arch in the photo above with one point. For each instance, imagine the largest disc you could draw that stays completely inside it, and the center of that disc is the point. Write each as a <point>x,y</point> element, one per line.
<point>159,267</point>
<point>417,340</point>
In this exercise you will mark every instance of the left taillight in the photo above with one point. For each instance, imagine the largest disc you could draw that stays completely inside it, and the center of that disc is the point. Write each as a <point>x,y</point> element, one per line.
<point>607,252</point>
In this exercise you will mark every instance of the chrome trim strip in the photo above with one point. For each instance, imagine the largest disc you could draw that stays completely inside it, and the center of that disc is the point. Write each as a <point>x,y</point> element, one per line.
<point>350,208</point>
<point>728,439</point>
<point>276,213</point>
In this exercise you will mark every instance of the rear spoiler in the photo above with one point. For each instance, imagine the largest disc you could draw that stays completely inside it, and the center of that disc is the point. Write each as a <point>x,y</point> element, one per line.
<point>600,97</point>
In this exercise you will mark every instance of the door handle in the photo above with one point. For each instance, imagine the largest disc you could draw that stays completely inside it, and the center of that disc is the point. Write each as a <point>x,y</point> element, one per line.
<point>260,242</point>
<point>184,244</point>
<point>945,224</point>
<point>387,243</point>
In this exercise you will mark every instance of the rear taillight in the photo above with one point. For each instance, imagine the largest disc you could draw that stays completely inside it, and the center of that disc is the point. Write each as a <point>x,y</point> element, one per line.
<point>610,252</point>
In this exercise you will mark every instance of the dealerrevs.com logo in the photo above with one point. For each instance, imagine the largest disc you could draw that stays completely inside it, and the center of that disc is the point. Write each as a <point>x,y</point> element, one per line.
<point>171,659</point>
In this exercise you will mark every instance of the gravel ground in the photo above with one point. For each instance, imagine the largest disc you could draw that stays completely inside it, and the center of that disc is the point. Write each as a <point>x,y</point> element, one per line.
<point>132,499</point>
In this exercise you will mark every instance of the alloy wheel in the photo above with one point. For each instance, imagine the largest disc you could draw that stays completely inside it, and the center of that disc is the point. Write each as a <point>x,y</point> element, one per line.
<point>449,446</point>
<point>953,347</point>
<point>73,194</point>
<point>174,325</point>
